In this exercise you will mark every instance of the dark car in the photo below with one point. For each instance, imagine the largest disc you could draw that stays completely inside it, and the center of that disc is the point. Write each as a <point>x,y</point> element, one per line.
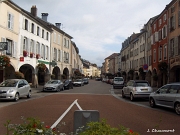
<point>68,84</point>
<point>86,80</point>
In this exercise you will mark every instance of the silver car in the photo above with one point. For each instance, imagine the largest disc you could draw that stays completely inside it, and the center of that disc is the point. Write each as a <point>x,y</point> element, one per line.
<point>54,85</point>
<point>13,89</point>
<point>137,89</point>
<point>78,82</point>
<point>167,96</point>
<point>118,82</point>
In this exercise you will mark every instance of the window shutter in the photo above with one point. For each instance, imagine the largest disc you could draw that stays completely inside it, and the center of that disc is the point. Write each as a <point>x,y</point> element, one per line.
<point>34,51</point>
<point>156,36</point>
<point>3,40</point>
<point>162,35</point>
<point>151,39</point>
<point>15,50</point>
<point>169,25</point>
<point>28,45</point>
<point>52,55</point>
<point>12,22</point>
<point>174,19</point>
<point>23,24</point>
<point>61,56</point>
<point>169,49</point>
<point>57,55</point>
<point>179,18</point>
<point>176,46</point>
<point>29,23</point>
<point>21,45</point>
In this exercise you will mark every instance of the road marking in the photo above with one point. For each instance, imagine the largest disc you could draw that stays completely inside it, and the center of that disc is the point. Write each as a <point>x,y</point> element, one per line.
<point>64,114</point>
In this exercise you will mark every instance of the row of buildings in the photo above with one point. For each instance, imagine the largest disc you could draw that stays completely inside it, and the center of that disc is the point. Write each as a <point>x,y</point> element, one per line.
<point>153,53</point>
<point>32,40</point>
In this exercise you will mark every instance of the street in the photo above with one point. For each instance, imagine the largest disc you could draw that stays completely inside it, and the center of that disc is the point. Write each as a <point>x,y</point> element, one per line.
<point>49,106</point>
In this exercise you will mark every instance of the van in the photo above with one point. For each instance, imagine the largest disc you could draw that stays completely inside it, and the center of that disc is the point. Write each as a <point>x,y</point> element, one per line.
<point>118,82</point>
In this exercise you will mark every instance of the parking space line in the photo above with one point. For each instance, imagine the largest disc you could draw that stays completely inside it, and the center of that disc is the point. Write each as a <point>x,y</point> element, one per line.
<point>64,114</point>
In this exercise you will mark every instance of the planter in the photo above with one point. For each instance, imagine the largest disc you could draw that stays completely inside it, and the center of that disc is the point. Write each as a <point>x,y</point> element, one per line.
<point>4,61</point>
<point>25,53</point>
<point>37,56</point>
<point>31,55</point>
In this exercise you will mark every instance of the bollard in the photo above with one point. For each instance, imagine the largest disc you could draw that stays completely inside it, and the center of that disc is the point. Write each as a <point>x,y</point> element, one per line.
<point>82,117</point>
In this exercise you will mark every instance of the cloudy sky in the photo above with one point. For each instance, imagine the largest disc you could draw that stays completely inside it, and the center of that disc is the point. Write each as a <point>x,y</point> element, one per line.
<point>98,27</point>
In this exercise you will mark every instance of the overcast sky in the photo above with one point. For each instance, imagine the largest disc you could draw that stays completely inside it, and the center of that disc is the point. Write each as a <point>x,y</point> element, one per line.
<point>98,27</point>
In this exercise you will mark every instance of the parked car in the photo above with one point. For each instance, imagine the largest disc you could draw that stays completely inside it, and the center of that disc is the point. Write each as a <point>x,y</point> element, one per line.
<point>137,89</point>
<point>86,80</point>
<point>68,84</point>
<point>167,96</point>
<point>118,82</point>
<point>98,79</point>
<point>54,85</point>
<point>78,82</point>
<point>13,89</point>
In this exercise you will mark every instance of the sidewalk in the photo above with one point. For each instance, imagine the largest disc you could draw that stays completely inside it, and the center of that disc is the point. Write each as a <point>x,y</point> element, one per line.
<point>36,90</point>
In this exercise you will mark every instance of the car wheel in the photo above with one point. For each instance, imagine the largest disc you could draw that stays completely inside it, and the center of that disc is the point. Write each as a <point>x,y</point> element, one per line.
<point>123,96</point>
<point>29,94</point>
<point>16,97</point>
<point>131,97</point>
<point>152,102</point>
<point>177,108</point>
<point>62,88</point>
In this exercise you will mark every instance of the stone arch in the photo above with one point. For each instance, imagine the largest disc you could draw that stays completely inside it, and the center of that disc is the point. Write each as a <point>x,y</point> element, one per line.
<point>66,72</point>
<point>56,72</point>
<point>28,71</point>
<point>174,74</point>
<point>9,72</point>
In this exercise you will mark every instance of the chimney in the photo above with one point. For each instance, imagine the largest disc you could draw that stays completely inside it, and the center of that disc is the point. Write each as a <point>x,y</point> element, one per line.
<point>44,16</point>
<point>34,11</point>
<point>58,25</point>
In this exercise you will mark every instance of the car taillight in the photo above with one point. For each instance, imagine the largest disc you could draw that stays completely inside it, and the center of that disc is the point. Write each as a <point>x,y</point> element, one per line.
<point>134,89</point>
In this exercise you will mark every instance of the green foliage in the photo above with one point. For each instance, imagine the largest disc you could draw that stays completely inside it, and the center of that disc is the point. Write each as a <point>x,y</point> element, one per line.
<point>30,126</point>
<point>102,128</point>
<point>19,75</point>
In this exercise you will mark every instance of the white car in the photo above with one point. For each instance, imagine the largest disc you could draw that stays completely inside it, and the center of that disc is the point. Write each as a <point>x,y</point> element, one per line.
<point>137,89</point>
<point>118,82</point>
<point>13,89</point>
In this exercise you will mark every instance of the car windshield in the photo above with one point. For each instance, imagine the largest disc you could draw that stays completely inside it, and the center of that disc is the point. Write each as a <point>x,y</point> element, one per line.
<point>118,79</point>
<point>9,83</point>
<point>53,82</point>
<point>78,80</point>
<point>142,84</point>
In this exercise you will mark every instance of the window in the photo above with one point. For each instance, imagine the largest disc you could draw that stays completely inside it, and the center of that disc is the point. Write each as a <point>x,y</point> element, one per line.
<point>164,17</point>
<point>67,43</point>
<point>55,54</point>
<point>32,28</point>
<point>160,52</point>
<point>154,55</point>
<point>154,27</point>
<point>165,52</point>
<point>43,52</point>
<point>172,23</point>
<point>37,30</point>
<point>32,46</point>
<point>160,22</point>
<point>26,24</point>
<point>38,48</point>
<point>160,34</point>
<point>10,48</point>
<point>42,33</point>
<point>25,44</point>
<point>164,31</point>
<point>173,89</point>
<point>54,37</point>
<point>164,89</point>
<point>64,42</point>
<point>47,54</point>
<point>59,55</point>
<point>10,21</point>
<point>47,36</point>
<point>172,47</point>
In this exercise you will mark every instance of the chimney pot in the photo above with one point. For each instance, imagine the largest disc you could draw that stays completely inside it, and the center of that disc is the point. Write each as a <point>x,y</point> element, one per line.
<point>44,16</point>
<point>58,25</point>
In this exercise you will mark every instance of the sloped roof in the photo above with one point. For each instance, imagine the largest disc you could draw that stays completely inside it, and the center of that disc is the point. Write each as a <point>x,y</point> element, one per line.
<point>112,56</point>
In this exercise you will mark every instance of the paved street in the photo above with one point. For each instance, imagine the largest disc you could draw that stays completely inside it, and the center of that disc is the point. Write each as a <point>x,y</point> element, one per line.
<point>97,95</point>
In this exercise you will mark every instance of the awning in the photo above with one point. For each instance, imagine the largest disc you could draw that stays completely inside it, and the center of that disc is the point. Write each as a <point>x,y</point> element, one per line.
<point>42,61</point>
